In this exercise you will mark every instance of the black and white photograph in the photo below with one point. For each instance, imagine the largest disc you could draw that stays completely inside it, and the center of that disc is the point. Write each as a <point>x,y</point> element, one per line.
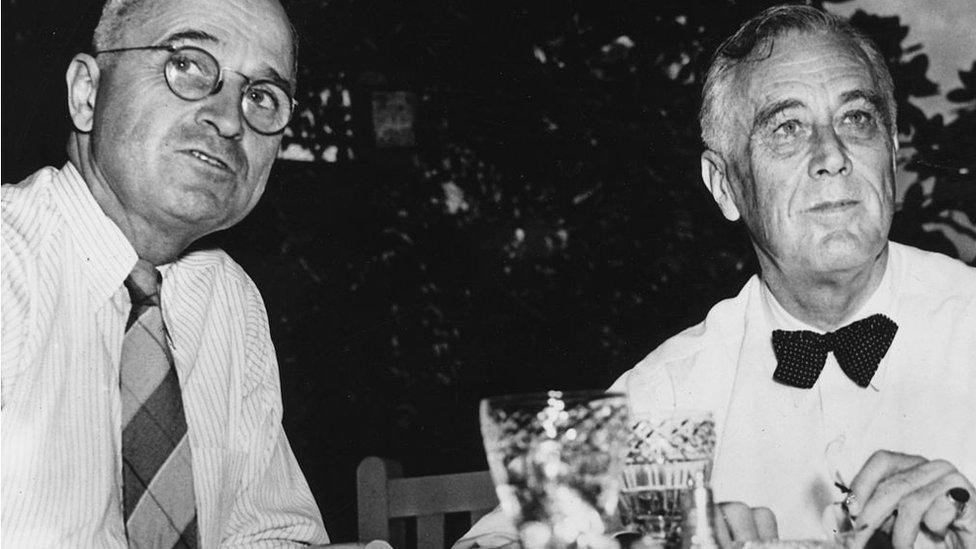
<point>521,274</point>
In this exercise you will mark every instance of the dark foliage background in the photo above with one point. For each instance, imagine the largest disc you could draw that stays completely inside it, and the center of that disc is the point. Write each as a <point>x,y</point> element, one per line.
<point>547,230</point>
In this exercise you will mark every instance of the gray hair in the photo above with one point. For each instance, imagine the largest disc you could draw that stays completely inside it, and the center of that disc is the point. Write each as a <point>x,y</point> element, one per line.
<point>116,15</point>
<point>754,42</point>
<point>119,14</point>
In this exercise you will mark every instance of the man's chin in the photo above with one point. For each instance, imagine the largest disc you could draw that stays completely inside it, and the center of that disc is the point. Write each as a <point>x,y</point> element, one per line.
<point>197,217</point>
<point>840,257</point>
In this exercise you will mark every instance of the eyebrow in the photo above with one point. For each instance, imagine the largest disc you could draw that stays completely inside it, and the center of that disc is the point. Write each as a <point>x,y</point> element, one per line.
<point>276,77</point>
<point>196,35</point>
<point>201,36</point>
<point>769,112</point>
<point>871,97</point>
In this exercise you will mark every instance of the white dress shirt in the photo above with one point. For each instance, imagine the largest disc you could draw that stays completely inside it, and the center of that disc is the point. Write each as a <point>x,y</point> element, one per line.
<point>783,448</point>
<point>64,313</point>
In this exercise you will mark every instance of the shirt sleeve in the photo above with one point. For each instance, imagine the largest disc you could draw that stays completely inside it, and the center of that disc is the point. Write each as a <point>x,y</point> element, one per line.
<point>649,386</point>
<point>274,506</point>
<point>494,530</point>
<point>16,296</point>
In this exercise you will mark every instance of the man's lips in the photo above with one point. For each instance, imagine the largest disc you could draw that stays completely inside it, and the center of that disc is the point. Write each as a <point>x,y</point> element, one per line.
<point>833,206</point>
<point>209,158</point>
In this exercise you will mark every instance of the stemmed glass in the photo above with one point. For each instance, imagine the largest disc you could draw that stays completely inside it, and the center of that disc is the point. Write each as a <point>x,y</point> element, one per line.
<point>556,461</point>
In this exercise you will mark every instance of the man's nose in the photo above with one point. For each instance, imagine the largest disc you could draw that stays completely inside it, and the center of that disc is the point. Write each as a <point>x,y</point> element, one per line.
<point>222,111</point>
<point>830,156</point>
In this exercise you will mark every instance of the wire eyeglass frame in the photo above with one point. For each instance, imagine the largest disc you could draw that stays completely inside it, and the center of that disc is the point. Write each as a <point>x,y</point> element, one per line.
<point>215,81</point>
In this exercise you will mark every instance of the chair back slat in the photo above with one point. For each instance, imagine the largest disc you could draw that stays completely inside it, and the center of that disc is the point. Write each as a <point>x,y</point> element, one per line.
<point>384,495</point>
<point>430,531</point>
<point>441,494</point>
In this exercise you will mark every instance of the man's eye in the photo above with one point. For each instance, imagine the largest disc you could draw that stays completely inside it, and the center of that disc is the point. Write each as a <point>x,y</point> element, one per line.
<point>787,129</point>
<point>263,99</point>
<point>186,65</point>
<point>858,118</point>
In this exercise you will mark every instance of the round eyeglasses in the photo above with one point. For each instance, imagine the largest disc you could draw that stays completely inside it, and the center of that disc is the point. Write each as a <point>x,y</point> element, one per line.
<point>193,74</point>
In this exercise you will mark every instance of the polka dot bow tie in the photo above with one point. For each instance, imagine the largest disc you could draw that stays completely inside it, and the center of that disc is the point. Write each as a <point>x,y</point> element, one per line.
<point>858,347</point>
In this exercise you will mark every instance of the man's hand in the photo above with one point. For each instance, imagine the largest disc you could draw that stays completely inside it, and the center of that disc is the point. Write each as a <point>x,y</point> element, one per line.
<point>913,499</point>
<point>736,521</point>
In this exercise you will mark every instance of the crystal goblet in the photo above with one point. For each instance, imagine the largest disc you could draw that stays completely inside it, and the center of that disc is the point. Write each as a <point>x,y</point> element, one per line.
<point>556,461</point>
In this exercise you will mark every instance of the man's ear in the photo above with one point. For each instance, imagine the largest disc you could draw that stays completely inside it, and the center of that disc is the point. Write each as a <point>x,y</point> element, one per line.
<point>894,152</point>
<point>716,178</point>
<point>82,79</point>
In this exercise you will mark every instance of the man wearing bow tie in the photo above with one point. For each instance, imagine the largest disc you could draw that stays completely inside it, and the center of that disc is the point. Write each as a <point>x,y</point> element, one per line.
<point>849,360</point>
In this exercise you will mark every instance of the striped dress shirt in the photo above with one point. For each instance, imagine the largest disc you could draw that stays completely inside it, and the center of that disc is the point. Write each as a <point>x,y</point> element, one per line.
<point>64,312</point>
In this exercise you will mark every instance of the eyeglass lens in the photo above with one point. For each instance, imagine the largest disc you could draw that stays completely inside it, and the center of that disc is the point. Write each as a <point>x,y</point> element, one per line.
<point>193,74</point>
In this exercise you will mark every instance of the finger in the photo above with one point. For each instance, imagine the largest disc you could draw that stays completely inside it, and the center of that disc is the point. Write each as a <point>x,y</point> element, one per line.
<point>953,508</point>
<point>888,525</point>
<point>765,522</point>
<point>964,527</point>
<point>878,467</point>
<point>888,496</point>
<point>888,492</point>
<point>738,517</point>
<point>949,500</point>
<point>722,527</point>
<point>926,501</point>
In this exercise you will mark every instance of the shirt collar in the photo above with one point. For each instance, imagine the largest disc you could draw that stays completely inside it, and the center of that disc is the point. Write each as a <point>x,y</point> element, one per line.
<point>107,255</point>
<point>880,302</point>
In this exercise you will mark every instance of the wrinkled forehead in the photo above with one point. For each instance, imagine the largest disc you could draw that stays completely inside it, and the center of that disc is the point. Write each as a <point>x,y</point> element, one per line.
<point>251,36</point>
<point>801,65</point>
<point>811,58</point>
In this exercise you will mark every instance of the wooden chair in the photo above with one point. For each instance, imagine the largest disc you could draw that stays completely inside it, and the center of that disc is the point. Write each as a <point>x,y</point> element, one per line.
<point>386,500</point>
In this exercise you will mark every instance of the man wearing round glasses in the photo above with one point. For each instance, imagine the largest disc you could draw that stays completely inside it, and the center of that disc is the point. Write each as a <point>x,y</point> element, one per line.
<point>141,401</point>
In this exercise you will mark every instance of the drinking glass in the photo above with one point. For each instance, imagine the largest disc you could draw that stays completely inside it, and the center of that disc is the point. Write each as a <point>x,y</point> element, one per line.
<point>667,452</point>
<point>556,461</point>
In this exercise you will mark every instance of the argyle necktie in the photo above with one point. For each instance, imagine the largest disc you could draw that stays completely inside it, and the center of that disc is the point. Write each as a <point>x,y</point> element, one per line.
<point>858,347</point>
<point>157,482</point>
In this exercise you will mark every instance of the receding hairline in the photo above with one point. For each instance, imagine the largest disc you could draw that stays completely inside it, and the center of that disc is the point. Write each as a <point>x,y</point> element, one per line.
<point>119,15</point>
<point>741,72</point>
<point>755,40</point>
